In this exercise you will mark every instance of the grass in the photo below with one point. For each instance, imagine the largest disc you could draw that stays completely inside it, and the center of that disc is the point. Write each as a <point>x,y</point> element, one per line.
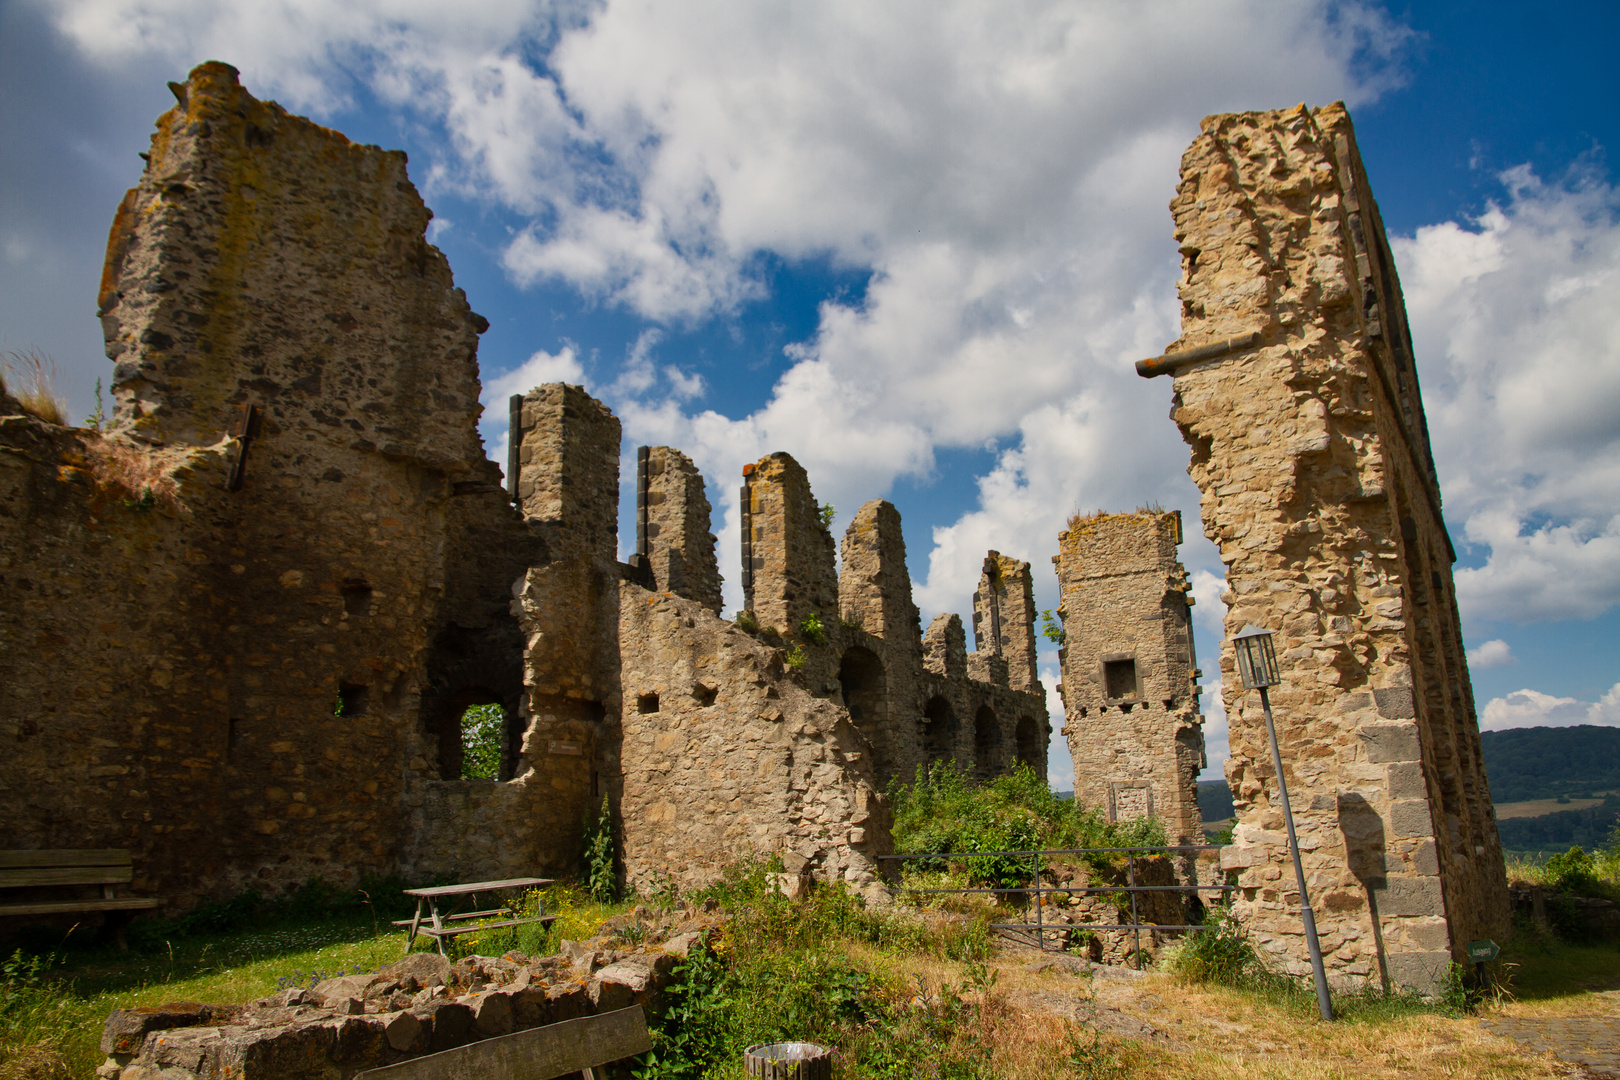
<point>1539,807</point>
<point>30,377</point>
<point>899,993</point>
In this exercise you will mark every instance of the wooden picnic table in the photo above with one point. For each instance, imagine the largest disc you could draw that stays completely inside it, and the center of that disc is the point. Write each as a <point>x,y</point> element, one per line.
<point>433,895</point>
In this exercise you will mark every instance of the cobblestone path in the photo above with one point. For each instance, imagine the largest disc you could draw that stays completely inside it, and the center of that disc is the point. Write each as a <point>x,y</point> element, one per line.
<point>1593,1042</point>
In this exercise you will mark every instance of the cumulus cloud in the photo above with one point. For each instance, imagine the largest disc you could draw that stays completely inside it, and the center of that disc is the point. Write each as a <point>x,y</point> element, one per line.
<point>1217,740</point>
<point>1491,654</point>
<point>1513,316</point>
<point>1059,765</point>
<point>1531,708</point>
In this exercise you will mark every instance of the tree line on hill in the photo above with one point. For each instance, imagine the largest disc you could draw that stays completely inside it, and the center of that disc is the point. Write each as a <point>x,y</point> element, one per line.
<point>1523,764</point>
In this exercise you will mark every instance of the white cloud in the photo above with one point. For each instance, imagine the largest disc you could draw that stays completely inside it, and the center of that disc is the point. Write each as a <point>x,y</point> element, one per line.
<point>1514,321</point>
<point>1003,172</point>
<point>1059,765</point>
<point>1491,654</point>
<point>1531,708</point>
<point>1217,740</point>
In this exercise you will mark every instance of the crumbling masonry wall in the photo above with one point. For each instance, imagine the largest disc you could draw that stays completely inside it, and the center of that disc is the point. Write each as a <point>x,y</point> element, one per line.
<point>677,542</point>
<point>1130,678</point>
<point>1318,484</point>
<point>238,630</point>
<point>217,648</point>
<point>914,699</point>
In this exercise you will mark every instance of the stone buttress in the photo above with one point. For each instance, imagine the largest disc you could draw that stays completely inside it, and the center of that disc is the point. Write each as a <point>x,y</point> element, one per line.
<point>1309,444</point>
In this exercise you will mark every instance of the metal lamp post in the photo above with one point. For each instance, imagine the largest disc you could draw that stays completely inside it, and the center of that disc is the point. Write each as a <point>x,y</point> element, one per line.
<point>1257,666</point>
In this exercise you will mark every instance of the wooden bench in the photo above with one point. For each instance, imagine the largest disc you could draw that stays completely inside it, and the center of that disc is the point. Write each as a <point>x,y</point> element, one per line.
<point>108,868</point>
<point>541,1053</point>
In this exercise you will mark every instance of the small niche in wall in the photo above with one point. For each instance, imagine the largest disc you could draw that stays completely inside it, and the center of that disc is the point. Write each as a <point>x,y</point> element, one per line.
<point>704,695</point>
<point>352,700</point>
<point>1119,677</point>
<point>356,597</point>
<point>647,703</point>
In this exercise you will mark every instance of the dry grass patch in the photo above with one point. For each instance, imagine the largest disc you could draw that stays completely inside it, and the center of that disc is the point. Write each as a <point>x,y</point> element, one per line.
<point>137,474</point>
<point>30,377</point>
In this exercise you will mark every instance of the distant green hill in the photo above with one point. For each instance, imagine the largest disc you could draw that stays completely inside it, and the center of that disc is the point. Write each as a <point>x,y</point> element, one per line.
<point>1546,762</point>
<point>1591,828</point>
<point>1214,800</point>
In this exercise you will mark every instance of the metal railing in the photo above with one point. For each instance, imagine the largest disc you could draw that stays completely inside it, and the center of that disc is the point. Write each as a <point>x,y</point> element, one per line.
<point>1040,928</point>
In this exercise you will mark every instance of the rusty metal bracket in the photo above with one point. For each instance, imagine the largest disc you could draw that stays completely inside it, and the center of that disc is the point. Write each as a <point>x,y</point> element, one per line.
<point>249,420</point>
<point>1169,362</point>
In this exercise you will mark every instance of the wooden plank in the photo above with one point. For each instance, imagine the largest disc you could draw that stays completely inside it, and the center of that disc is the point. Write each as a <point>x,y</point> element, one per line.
<point>117,903</point>
<point>66,875</point>
<point>537,1054</point>
<point>452,931</point>
<point>492,912</point>
<point>68,857</point>
<point>481,886</point>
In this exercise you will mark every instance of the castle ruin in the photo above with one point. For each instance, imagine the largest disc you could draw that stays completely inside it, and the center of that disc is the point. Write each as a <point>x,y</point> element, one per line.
<point>239,627</point>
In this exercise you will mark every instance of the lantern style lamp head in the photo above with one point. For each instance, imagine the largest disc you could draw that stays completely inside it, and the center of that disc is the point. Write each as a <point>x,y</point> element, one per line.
<point>1256,659</point>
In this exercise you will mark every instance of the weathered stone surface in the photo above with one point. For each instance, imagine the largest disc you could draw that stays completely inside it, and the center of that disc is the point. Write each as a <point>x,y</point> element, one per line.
<point>1130,691</point>
<point>1318,485</point>
<point>679,545</point>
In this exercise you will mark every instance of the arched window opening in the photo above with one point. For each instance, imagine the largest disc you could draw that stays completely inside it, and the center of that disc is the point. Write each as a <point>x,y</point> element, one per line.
<point>986,743</point>
<point>1029,742</point>
<point>478,739</point>
<point>939,730</point>
<point>865,693</point>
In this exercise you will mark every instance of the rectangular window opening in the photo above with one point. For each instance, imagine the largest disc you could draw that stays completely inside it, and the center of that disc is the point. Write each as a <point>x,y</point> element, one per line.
<point>1119,679</point>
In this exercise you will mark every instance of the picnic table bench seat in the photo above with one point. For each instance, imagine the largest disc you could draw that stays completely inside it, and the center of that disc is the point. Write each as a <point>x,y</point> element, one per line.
<point>68,868</point>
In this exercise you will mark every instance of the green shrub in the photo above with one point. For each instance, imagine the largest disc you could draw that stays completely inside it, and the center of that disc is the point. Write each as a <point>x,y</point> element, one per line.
<point>483,728</point>
<point>942,811</point>
<point>601,873</point>
<point>813,630</point>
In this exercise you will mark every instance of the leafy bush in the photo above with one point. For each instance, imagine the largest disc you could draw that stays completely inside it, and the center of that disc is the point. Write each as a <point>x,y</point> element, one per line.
<point>943,812</point>
<point>601,875</point>
<point>778,972</point>
<point>813,630</point>
<point>482,728</point>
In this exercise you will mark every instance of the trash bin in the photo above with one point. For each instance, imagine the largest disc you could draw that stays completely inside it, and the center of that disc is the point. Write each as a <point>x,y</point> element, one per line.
<point>789,1061</point>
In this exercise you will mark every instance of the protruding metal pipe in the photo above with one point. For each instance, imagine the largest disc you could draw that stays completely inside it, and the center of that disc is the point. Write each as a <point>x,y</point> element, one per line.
<point>1169,362</point>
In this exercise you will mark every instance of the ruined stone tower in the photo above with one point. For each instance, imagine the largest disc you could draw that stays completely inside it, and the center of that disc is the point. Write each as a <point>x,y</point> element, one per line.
<point>1295,388</point>
<point>1130,679</point>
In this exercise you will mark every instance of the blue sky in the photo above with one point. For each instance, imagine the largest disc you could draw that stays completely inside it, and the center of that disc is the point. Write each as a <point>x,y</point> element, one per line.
<point>918,245</point>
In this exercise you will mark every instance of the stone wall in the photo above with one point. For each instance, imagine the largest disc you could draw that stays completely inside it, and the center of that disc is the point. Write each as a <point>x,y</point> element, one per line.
<point>216,647</point>
<point>239,629</point>
<point>677,542</point>
<point>1130,690</point>
<point>1310,447</point>
<point>1004,618</point>
<point>725,753</point>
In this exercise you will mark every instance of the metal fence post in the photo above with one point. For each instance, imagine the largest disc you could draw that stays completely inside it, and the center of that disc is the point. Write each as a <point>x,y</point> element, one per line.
<point>1136,922</point>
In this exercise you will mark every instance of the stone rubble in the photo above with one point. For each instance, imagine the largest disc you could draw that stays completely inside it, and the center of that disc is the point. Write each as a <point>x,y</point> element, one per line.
<point>422,1004</point>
